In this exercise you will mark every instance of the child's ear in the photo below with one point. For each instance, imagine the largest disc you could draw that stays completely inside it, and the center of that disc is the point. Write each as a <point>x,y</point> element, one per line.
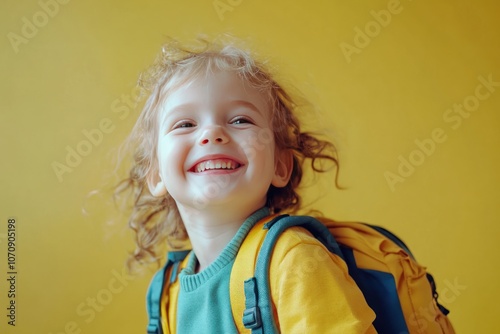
<point>283,168</point>
<point>156,186</point>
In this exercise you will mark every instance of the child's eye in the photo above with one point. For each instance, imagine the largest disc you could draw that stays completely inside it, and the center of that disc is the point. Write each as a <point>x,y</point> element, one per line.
<point>241,120</point>
<point>183,124</point>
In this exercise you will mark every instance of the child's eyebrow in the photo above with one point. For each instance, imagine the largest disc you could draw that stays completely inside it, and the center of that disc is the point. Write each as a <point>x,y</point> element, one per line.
<point>180,108</point>
<point>175,111</point>
<point>245,104</point>
<point>192,106</point>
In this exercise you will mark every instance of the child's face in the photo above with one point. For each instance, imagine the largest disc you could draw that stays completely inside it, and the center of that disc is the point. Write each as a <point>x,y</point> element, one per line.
<point>216,145</point>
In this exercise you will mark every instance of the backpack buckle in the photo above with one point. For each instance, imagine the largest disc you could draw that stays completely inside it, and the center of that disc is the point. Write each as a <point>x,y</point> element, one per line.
<point>251,318</point>
<point>154,329</point>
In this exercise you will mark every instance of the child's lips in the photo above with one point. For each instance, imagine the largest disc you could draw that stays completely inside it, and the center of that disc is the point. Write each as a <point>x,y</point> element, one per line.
<point>215,164</point>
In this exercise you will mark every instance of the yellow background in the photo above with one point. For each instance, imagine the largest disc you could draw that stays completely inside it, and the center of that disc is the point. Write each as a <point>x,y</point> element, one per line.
<point>82,63</point>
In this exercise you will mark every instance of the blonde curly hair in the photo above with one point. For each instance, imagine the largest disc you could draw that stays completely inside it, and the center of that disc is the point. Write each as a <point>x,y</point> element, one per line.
<point>156,220</point>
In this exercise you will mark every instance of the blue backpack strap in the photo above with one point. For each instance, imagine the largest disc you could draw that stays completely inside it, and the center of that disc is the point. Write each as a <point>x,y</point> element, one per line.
<point>258,314</point>
<point>156,288</point>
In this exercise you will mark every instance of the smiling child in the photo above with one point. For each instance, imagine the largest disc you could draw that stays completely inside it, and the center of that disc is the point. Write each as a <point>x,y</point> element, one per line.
<point>218,149</point>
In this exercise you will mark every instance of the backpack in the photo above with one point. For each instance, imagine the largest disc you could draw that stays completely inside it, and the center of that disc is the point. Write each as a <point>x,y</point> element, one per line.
<point>400,292</point>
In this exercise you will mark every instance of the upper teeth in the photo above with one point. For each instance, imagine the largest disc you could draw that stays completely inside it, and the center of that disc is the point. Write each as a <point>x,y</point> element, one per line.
<point>216,164</point>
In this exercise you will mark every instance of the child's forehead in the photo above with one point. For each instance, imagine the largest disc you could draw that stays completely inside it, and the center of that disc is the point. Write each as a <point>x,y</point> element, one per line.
<point>215,86</point>
<point>213,80</point>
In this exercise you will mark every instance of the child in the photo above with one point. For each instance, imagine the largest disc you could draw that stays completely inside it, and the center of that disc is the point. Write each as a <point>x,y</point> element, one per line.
<point>218,149</point>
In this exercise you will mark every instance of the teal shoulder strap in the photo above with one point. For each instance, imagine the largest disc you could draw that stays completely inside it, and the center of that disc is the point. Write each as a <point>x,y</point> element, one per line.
<point>153,299</point>
<point>258,314</point>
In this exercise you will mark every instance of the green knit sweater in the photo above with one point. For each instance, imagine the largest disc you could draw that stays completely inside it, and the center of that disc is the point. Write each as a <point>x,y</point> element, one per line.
<point>204,305</point>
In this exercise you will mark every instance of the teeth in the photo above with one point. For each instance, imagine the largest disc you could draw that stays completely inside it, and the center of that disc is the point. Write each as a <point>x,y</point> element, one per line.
<point>216,164</point>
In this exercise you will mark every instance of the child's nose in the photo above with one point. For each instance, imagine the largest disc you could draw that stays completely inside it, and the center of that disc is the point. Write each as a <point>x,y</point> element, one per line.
<point>214,134</point>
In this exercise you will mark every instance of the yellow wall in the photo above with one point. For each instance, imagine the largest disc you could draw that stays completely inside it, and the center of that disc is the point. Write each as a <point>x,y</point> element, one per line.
<point>74,70</point>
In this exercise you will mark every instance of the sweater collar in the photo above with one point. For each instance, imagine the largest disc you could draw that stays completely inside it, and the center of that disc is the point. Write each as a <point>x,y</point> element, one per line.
<point>191,281</point>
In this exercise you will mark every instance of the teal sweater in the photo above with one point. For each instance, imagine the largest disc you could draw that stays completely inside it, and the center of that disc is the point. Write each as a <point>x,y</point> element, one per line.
<point>204,305</point>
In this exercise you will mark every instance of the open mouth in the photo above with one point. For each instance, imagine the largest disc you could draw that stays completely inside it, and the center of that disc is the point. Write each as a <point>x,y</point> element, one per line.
<point>215,164</point>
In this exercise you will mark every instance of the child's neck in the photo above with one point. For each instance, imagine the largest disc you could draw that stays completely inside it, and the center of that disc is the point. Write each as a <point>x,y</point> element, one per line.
<point>211,230</point>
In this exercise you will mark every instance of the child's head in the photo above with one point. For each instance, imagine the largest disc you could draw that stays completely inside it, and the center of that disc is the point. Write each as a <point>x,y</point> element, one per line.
<point>216,126</point>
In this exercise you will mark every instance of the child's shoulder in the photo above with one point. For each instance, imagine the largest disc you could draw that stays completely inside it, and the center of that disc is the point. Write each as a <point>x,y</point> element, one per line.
<point>296,246</point>
<point>297,236</point>
<point>290,238</point>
